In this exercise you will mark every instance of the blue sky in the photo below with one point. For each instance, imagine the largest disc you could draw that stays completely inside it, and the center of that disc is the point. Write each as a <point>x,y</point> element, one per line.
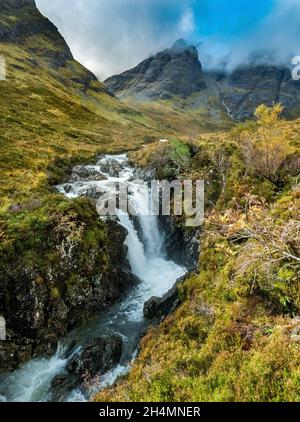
<point>229,18</point>
<point>109,36</point>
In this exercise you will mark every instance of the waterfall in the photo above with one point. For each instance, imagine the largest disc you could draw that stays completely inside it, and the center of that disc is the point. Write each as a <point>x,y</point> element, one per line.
<point>147,260</point>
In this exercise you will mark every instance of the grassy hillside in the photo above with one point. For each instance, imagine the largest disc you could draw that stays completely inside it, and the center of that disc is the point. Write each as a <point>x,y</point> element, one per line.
<point>186,118</point>
<point>235,336</point>
<point>51,107</point>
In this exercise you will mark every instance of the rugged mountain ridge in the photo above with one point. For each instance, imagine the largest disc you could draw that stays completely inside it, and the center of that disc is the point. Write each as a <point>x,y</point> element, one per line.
<point>249,86</point>
<point>238,93</point>
<point>174,71</point>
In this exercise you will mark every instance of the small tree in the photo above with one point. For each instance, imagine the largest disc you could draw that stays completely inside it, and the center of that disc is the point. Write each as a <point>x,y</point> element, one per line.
<point>266,148</point>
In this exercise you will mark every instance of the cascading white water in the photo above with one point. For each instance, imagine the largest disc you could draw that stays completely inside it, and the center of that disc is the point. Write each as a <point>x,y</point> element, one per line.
<point>157,274</point>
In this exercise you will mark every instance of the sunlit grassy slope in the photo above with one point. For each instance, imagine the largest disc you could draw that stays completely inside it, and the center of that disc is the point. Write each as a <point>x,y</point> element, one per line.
<point>186,118</point>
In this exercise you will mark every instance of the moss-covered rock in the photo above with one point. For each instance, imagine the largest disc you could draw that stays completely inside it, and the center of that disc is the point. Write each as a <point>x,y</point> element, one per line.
<point>59,266</point>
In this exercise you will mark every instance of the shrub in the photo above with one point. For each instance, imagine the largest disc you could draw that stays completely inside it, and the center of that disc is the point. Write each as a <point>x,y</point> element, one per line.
<point>266,147</point>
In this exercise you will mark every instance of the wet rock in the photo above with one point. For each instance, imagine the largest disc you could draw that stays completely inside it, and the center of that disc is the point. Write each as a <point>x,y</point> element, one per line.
<point>86,173</point>
<point>60,381</point>
<point>158,308</point>
<point>151,306</point>
<point>68,188</point>
<point>94,193</point>
<point>98,357</point>
<point>111,167</point>
<point>182,246</point>
<point>61,385</point>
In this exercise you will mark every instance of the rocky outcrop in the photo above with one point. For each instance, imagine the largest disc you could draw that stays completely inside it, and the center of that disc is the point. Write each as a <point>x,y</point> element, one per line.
<point>249,86</point>
<point>174,71</point>
<point>158,308</point>
<point>43,298</point>
<point>182,245</point>
<point>96,358</point>
<point>29,22</point>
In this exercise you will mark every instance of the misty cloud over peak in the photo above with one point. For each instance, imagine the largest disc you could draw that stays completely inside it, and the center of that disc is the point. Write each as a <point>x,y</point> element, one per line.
<point>110,36</point>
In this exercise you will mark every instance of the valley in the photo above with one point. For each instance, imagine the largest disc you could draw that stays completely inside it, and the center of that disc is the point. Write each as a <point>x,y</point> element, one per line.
<point>145,308</point>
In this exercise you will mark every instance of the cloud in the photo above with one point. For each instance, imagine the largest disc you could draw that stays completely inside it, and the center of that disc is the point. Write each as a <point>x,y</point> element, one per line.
<point>110,36</point>
<point>187,22</point>
<point>274,40</point>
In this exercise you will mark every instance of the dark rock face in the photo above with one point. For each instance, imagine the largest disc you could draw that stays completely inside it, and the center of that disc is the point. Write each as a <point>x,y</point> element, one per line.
<point>248,87</point>
<point>174,71</point>
<point>37,315</point>
<point>158,308</point>
<point>182,246</point>
<point>96,358</point>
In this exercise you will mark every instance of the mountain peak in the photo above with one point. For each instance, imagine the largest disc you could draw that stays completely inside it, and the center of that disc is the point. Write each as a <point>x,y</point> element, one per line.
<point>180,44</point>
<point>175,71</point>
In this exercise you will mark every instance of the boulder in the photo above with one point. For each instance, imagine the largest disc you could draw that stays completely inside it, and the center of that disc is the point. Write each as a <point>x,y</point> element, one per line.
<point>111,167</point>
<point>86,173</point>
<point>97,357</point>
<point>158,308</point>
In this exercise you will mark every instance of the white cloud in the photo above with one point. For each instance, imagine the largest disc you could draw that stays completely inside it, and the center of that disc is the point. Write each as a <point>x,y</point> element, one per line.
<point>276,38</point>
<point>187,22</point>
<point>110,36</point>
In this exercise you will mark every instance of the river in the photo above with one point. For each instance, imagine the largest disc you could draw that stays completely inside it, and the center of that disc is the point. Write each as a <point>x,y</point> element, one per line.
<point>148,261</point>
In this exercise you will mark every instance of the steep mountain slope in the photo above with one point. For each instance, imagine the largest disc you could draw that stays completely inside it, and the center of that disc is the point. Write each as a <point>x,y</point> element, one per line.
<point>248,87</point>
<point>177,74</point>
<point>50,105</point>
<point>174,71</point>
